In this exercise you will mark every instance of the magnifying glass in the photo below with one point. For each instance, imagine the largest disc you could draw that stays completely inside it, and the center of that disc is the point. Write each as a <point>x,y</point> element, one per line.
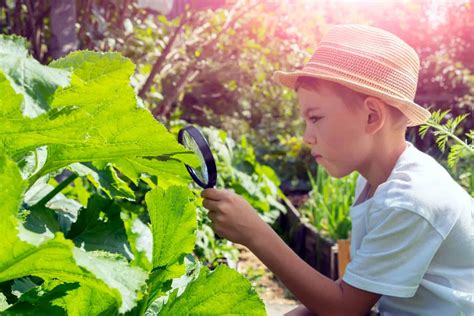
<point>205,175</point>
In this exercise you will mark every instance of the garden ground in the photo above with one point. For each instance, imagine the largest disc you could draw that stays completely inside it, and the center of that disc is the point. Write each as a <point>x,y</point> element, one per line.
<point>278,300</point>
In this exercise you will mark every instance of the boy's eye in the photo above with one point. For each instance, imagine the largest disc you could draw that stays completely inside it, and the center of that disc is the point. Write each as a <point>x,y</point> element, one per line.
<point>314,119</point>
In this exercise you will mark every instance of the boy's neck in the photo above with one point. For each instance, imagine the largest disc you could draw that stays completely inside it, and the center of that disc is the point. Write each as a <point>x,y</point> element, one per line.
<point>381,163</point>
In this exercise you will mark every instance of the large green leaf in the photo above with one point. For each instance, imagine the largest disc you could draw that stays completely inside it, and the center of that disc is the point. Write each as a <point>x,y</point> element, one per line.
<point>51,256</point>
<point>57,298</point>
<point>173,220</point>
<point>28,77</point>
<point>96,118</point>
<point>169,172</point>
<point>10,101</point>
<point>220,292</point>
<point>12,188</point>
<point>87,301</point>
<point>116,273</point>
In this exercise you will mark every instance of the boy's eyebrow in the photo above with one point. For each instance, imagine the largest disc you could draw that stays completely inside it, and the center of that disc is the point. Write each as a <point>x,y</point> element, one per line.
<point>310,109</point>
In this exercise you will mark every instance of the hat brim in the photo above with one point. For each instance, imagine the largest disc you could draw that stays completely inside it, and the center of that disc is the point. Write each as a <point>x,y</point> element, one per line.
<point>415,113</point>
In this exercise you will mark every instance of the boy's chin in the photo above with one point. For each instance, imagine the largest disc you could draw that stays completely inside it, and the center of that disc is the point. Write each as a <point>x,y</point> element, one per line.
<point>338,173</point>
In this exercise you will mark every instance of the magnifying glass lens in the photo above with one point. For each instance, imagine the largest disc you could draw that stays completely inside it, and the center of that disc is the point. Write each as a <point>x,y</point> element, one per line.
<point>192,139</point>
<point>201,172</point>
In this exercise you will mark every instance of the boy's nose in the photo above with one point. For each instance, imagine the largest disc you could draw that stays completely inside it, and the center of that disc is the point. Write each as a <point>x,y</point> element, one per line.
<point>308,138</point>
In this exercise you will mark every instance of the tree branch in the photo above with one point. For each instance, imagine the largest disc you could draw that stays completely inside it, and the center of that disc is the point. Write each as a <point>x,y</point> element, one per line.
<point>165,105</point>
<point>159,62</point>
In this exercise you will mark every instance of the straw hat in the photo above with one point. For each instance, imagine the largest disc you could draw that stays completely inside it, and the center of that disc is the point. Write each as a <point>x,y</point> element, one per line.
<point>370,61</point>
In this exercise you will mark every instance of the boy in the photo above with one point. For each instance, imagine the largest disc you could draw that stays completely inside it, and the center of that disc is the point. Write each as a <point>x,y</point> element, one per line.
<point>412,236</point>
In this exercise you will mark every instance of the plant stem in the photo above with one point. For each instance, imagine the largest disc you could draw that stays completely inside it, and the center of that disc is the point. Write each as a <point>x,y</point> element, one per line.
<point>447,132</point>
<point>56,190</point>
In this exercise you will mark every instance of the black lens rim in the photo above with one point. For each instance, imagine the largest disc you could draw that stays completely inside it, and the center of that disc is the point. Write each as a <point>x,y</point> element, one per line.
<point>203,146</point>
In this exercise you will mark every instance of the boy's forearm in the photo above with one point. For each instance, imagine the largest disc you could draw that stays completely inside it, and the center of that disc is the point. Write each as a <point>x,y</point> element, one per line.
<point>319,294</point>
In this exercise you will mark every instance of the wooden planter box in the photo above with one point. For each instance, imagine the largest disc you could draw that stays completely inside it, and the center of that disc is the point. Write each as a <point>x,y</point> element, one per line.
<point>319,252</point>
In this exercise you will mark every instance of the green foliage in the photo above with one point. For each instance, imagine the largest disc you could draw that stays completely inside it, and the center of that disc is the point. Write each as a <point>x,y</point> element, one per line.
<point>217,70</point>
<point>173,221</point>
<point>98,248</point>
<point>460,159</point>
<point>240,171</point>
<point>329,204</point>
<point>237,170</point>
<point>28,77</point>
<point>220,286</point>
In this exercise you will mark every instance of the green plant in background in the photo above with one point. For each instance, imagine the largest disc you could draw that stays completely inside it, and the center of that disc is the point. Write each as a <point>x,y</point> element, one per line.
<point>238,170</point>
<point>97,248</point>
<point>213,67</point>
<point>328,205</point>
<point>460,160</point>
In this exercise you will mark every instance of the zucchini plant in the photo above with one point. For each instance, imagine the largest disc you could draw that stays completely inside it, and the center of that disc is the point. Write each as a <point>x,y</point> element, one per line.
<point>85,245</point>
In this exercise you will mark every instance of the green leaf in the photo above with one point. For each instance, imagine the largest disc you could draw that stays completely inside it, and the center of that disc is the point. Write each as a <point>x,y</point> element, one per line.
<point>173,221</point>
<point>58,298</point>
<point>223,291</point>
<point>104,178</point>
<point>10,101</point>
<point>169,172</point>
<point>116,273</point>
<point>3,302</point>
<point>35,82</point>
<point>57,214</point>
<point>85,300</point>
<point>96,118</point>
<point>48,256</point>
<point>51,259</point>
<point>12,187</point>
<point>423,130</point>
<point>160,281</point>
<point>39,301</point>
<point>470,135</point>
<point>140,240</point>
<point>100,227</point>
<point>454,155</point>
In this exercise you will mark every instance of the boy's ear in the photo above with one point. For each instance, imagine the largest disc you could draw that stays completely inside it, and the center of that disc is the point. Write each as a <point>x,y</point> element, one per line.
<point>375,114</point>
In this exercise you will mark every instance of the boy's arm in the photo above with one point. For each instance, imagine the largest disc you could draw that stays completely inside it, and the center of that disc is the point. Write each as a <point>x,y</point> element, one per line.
<point>235,219</point>
<point>319,294</point>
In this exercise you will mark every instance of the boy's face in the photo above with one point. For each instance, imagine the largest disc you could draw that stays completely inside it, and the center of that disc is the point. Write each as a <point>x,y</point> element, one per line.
<point>333,130</point>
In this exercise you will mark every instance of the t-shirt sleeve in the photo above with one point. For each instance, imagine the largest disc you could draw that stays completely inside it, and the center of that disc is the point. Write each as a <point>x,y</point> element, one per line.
<point>394,254</point>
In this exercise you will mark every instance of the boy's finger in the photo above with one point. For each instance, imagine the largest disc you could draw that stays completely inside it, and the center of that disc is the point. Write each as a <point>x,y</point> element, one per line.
<point>211,194</point>
<point>211,205</point>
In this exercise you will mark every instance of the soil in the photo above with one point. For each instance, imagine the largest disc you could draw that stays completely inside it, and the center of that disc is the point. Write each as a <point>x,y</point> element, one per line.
<point>269,288</point>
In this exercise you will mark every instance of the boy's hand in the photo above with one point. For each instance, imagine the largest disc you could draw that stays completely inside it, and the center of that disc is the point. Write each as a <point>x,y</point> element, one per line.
<point>232,216</point>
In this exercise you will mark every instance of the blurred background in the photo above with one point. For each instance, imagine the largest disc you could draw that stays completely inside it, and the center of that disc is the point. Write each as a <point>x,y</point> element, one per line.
<point>210,62</point>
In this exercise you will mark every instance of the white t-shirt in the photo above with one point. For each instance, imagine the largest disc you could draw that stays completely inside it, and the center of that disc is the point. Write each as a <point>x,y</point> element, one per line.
<point>413,240</point>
